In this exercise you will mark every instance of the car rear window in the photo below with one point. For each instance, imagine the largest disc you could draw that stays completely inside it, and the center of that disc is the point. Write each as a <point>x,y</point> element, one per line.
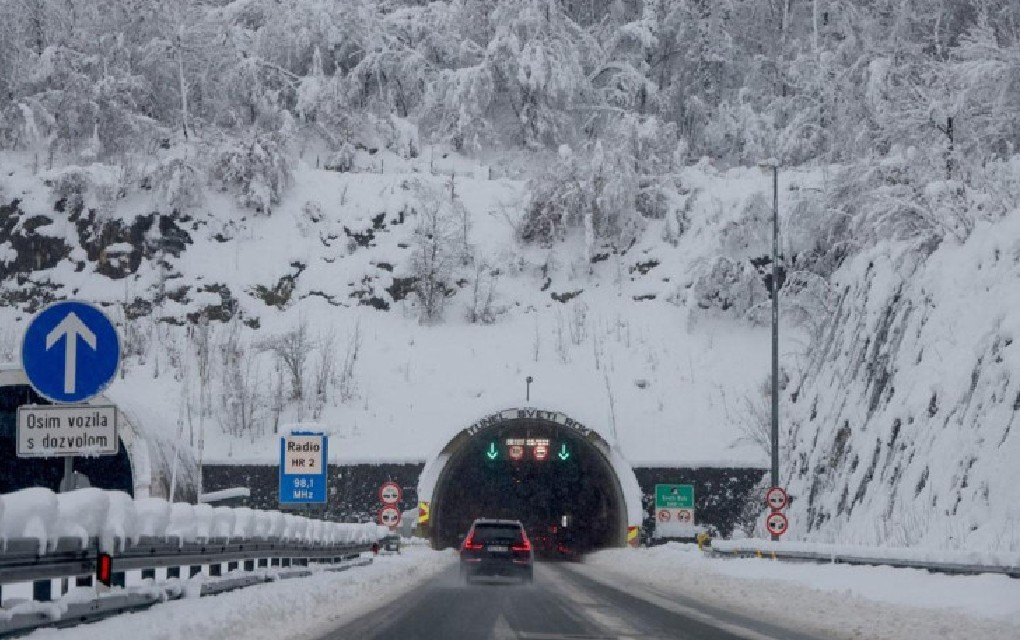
<point>485,532</point>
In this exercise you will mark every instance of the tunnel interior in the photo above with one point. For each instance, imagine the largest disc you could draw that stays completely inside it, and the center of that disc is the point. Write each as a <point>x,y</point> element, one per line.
<point>566,494</point>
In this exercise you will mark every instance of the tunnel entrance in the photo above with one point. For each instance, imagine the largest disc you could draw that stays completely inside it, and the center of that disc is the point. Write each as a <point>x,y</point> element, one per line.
<point>105,472</point>
<point>540,467</point>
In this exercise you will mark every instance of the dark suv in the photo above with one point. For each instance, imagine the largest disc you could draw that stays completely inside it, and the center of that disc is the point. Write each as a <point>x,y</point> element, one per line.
<point>497,548</point>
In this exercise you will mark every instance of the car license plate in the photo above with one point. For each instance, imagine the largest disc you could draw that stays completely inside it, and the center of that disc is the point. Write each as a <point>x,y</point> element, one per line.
<point>498,548</point>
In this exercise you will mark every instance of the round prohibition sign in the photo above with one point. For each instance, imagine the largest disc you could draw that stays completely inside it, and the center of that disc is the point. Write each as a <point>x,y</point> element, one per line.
<point>389,516</point>
<point>390,493</point>
<point>776,498</point>
<point>776,523</point>
<point>664,515</point>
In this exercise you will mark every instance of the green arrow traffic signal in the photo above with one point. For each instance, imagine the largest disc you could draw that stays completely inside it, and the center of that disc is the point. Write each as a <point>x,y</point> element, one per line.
<point>492,453</point>
<point>563,454</point>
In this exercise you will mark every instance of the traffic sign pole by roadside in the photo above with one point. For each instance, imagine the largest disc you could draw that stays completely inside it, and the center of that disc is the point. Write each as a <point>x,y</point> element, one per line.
<point>70,353</point>
<point>304,462</point>
<point>390,493</point>
<point>776,498</point>
<point>389,516</point>
<point>46,431</point>
<point>85,365</point>
<point>674,503</point>
<point>776,523</point>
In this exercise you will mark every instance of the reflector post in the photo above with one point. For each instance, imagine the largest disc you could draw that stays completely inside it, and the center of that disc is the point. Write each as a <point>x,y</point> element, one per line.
<point>104,568</point>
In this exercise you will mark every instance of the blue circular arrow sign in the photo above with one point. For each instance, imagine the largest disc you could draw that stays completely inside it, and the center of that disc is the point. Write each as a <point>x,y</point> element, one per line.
<point>70,351</point>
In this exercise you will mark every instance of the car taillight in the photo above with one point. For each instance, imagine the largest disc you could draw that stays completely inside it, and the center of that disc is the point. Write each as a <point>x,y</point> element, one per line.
<point>524,545</point>
<point>469,543</point>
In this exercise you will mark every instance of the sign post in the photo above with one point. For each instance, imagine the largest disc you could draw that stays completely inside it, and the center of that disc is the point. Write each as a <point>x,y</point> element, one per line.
<point>67,430</point>
<point>390,493</point>
<point>389,516</point>
<point>674,502</point>
<point>70,353</point>
<point>776,498</point>
<point>776,523</point>
<point>304,461</point>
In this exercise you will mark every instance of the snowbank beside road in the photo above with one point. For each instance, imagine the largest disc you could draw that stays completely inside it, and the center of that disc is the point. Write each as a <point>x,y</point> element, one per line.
<point>909,554</point>
<point>834,601</point>
<point>116,519</point>
<point>301,608</point>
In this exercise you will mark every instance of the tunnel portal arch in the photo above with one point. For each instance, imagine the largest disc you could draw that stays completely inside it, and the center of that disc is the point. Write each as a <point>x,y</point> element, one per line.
<point>124,471</point>
<point>579,480</point>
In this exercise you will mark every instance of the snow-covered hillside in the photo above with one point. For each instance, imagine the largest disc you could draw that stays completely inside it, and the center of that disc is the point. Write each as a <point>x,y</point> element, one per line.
<point>384,215</point>
<point>897,422</point>
<point>903,427</point>
<point>648,346</point>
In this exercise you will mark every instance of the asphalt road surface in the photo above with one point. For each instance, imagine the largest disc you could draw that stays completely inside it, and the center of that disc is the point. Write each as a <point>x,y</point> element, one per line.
<point>565,602</point>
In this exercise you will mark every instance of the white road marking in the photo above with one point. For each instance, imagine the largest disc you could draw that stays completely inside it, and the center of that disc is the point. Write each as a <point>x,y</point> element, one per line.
<point>592,609</point>
<point>663,601</point>
<point>502,630</point>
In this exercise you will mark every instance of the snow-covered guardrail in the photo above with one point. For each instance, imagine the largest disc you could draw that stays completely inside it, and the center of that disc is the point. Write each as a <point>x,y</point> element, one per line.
<point>46,536</point>
<point>937,561</point>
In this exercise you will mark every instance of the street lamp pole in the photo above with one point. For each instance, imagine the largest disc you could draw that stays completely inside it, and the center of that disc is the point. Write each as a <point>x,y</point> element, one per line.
<point>772,166</point>
<point>775,326</point>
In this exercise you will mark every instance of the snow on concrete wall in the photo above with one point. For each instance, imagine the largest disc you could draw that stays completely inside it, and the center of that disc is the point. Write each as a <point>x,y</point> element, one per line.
<point>115,519</point>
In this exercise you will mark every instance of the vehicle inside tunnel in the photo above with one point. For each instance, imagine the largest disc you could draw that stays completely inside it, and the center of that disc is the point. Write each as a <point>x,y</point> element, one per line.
<point>550,477</point>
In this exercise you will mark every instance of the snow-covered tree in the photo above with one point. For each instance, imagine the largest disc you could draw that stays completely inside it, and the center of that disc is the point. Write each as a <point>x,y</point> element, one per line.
<point>256,168</point>
<point>433,257</point>
<point>537,59</point>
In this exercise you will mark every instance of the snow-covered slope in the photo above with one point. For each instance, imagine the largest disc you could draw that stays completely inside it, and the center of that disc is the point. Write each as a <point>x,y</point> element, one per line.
<point>896,424</point>
<point>648,346</point>
<point>903,427</point>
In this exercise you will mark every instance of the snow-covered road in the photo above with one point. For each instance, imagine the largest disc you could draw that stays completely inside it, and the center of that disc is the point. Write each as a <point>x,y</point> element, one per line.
<point>293,609</point>
<point>830,601</point>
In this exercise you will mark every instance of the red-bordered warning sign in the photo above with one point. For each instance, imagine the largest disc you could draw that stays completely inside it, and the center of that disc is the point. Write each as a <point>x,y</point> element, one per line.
<point>776,523</point>
<point>776,498</point>
<point>390,493</point>
<point>389,516</point>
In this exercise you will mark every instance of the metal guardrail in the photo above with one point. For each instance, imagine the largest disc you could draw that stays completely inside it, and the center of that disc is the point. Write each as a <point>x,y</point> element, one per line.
<point>22,562</point>
<point>255,561</point>
<point>835,557</point>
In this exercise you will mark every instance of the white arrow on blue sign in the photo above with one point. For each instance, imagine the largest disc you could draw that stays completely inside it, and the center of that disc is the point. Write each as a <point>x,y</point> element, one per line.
<point>70,352</point>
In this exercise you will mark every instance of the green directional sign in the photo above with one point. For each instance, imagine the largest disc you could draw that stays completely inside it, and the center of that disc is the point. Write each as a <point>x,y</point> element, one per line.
<point>674,496</point>
<point>492,453</point>
<point>563,454</point>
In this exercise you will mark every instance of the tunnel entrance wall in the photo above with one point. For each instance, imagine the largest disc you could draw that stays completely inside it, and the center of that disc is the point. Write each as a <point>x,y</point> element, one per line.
<point>596,492</point>
<point>106,472</point>
<point>719,492</point>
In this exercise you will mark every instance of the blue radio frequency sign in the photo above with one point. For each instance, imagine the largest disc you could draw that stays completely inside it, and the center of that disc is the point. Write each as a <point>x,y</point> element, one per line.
<point>303,465</point>
<point>70,352</point>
